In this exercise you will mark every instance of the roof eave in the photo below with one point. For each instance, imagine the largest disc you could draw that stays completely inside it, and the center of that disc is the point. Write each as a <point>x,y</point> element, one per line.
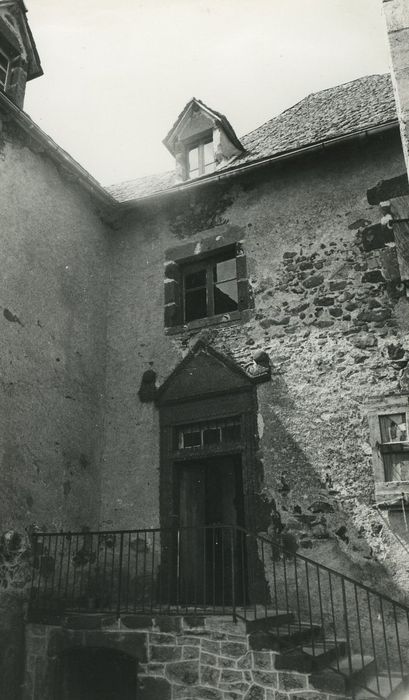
<point>262,162</point>
<point>63,159</point>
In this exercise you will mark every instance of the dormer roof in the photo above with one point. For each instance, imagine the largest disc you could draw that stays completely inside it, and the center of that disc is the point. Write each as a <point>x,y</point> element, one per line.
<point>15,31</point>
<point>194,106</point>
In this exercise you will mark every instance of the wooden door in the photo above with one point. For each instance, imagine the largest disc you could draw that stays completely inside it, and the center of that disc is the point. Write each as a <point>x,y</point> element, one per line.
<point>212,556</point>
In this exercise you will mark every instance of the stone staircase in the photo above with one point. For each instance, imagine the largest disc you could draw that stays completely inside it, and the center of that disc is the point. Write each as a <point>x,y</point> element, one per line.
<point>194,656</point>
<point>301,647</point>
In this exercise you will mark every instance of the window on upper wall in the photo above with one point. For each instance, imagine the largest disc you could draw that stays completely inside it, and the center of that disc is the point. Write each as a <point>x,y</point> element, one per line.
<point>389,438</point>
<point>4,70</point>
<point>207,288</point>
<point>201,159</point>
<point>394,446</point>
<point>210,288</point>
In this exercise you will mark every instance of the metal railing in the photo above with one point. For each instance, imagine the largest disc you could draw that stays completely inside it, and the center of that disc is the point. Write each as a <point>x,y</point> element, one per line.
<point>328,618</point>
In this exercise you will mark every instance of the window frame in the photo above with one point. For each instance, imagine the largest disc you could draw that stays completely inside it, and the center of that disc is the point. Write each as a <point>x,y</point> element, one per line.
<point>208,264</point>
<point>387,489</point>
<point>200,145</point>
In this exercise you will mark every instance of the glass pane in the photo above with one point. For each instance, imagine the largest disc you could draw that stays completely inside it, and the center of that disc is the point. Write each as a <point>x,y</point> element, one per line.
<point>195,304</point>
<point>210,168</point>
<point>232,433</point>
<point>3,61</point>
<point>225,297</point>
<point>396,466</point>
<point>208,153</point>
<point>393,427</point>
<point>193,159</point>
<point>192,439</point>
<point>195,279</point>
<point>211,436</point>
<point>225,270</point>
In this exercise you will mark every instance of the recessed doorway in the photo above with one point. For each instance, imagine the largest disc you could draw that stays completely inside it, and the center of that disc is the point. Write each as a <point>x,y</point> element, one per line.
<point>210,509</point>
<point>97,674</point>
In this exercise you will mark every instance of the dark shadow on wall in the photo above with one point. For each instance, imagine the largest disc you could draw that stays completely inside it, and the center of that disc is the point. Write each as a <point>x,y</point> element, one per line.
<point>96,674</point>
<point>303,512</point>
<point>11,646</point>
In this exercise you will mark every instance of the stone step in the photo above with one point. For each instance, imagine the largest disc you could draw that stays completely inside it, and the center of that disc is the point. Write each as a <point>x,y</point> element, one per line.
<point>273,619</point>
<point>284,637</point>
<point>310,658</point>
<point>381,686</point>
<point>341,677</point>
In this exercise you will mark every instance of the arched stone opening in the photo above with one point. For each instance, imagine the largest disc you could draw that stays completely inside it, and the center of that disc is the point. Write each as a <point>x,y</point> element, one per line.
<point>96,673</point>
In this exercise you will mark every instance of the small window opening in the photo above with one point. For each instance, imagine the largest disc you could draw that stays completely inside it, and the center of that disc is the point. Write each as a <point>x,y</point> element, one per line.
<point>394,446</point>
<point>210,288</point>
<point>201,159</point>
<point>209,434</point>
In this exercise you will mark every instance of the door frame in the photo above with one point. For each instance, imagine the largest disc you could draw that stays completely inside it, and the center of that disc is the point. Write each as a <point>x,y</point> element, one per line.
<point>176,413</point>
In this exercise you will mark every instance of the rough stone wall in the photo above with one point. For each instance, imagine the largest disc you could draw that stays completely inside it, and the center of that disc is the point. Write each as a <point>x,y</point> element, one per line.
<point>327,312</point>
<point>178,659</point>
<point>52,316</point>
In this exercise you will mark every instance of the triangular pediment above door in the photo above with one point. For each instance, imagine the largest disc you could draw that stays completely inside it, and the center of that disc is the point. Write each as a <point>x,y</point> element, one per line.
<point>203,372</point>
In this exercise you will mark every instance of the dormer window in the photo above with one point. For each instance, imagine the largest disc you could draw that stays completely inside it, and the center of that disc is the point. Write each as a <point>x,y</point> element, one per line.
<point>201,140</point>
<point>201,159</point>
<point>4,70</point>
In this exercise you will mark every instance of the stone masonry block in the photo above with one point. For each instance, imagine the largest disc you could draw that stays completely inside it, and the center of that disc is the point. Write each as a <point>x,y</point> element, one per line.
<point>187,639</point>
<point>208,659</point>
<point>292,681</point>
<point>234,649</point>
<point>210,646</point>
<point>183,672</point>
<point>225,662</point>
<point>165,653</point>
<point>137,621</point>
<point>199,692</point>
<point>190,652</point>
<point>256,692</point>
<point>262,660</point>
<point>267,678</point>
<point>191,622</point>
<point>160,638</point>
<point>231,676</point>
<point>209,675</point>
<point>168,623</point>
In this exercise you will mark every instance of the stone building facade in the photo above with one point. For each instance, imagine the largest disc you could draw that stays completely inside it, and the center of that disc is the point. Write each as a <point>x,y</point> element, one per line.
<point>238,326</point>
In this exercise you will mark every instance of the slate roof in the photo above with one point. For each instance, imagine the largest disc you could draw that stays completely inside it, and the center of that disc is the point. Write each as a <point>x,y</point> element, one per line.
<point>336,112</point>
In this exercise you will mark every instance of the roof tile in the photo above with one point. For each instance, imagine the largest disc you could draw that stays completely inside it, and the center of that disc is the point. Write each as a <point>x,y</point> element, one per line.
<point>335,112</point>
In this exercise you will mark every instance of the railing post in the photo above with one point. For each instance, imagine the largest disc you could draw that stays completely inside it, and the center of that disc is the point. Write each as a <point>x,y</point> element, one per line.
<point>121,554</point>
<point>34,556</point>
<point>233,577</point>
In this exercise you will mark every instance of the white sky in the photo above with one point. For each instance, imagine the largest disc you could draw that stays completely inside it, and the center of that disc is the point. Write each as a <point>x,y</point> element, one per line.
<point>118,72</point>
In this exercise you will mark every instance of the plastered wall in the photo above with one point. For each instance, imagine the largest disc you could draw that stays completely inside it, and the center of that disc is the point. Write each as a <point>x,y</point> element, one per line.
<point>323,314</point>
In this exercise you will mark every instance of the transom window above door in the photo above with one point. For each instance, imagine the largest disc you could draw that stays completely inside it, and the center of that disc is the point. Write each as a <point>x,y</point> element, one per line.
<point>210,288</point>
<point>208,434</point>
